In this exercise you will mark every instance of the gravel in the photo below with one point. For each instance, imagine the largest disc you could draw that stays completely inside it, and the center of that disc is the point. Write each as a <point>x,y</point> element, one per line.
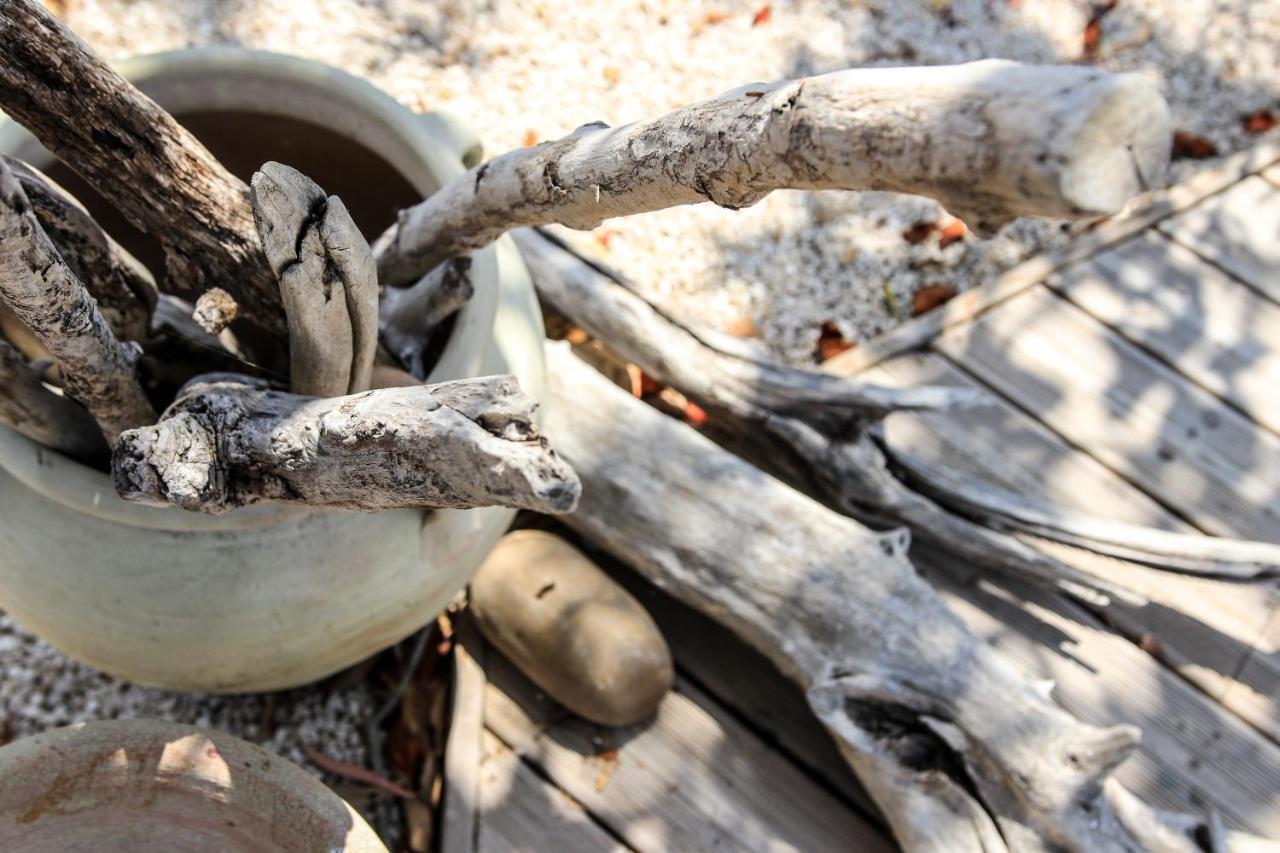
<point>523,71</point>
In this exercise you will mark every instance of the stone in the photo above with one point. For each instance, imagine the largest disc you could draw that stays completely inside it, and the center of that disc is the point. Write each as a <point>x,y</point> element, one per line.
<point>571,629</point>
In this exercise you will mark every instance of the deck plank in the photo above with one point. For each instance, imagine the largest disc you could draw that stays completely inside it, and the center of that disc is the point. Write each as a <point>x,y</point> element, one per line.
<point>1239,230</point>
<point>1173,439</point>
<point>691,779</point>
<point>1188,313</point>
<point>1193,752</point>
<point>520,811</point>
<point>1203,628</point>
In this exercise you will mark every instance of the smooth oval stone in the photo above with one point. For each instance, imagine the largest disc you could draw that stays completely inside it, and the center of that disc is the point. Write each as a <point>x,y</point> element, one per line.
<point>571,628</point>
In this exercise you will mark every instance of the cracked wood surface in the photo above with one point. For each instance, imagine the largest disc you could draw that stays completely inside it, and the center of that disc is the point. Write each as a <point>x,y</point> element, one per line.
<point>44,294</point>
<point>990,140</point>
<point>228,441</point>
<point>137,157</point>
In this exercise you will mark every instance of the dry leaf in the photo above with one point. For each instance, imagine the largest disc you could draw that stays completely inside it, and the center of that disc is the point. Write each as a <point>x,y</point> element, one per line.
<point>920,232</point>
<point>929,297</point>
<point>715,16</point>
<point>954,230</point>
<point>1190,146</point>
<point>612,74</point>
<point>354,772</point>
<point>831,342</point>
<point>1093,29</point>
<point>608,765</point>
<point>1259,122</point>
<point>695,414</point>
<point>603,236</point>
<point>530,138</point>
<point>762,16</point>
<point>742,327</point>
<point>641,383</point>
<point>577,336</point>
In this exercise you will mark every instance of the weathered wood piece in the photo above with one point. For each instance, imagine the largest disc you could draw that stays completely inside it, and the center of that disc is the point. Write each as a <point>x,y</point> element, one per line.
<point>991,140</point>
<point>958,749</point>
<point>409,316</point>
<point>43,293</point>
<point>1239,230</point>
<point>215,310</point>
<point>30,408</point>
<point>463,776</point>
<point>328,281</point>
<point>147,165</point>
<point>817,419</point>
<point>124,289</point>
<point>228,441</point>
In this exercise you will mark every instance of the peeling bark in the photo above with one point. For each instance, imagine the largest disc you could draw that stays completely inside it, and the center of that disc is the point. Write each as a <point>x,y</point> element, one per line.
<point>960,751</point>
<point>410,317</point>
<point>156,173</point>
<point>43,293</point>
<point>818,421</point>
<point>328,281</point>
<point>990,140</point>
<point>228,441</point>
<point>43,416</point>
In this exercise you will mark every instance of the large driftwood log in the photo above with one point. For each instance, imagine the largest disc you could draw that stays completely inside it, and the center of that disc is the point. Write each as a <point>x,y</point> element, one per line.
<point>43,293</point>
<point>327,279</point>
<point>123,288</point>
<point>146,164</point>
<point>30,408</point>
<point>819,420</point>
<point>228,441</point>
<point>960,751</point>
<point>991,140</point>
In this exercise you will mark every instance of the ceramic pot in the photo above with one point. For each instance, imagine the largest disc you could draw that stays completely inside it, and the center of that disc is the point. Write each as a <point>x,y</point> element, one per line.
<point>266,597</point>
<point>143,785</point>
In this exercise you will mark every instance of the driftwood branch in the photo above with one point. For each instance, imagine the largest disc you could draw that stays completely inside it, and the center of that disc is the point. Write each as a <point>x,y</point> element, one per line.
<point>818,421</point>
<point>43,293</point>
<point>124,289</point>
<point>229,442</point>
<point>147,165</point>
<point>991,140</point>
<point>32,409</point>
<point>960,751</point>
<point>409,317</point>
<point>328,281</point>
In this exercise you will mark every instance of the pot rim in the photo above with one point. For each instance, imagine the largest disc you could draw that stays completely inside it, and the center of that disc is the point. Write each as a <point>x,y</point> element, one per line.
<point>428,149</point>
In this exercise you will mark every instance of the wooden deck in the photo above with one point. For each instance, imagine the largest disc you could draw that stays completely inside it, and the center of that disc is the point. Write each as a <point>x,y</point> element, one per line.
<point>1136,376</point>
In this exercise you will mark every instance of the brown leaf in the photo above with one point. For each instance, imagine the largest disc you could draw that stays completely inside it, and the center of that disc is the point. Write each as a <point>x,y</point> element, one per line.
<point>612,74</point>
<point>831,342</point>
<point>1190,146</point>
<point>354,772</point>
<point>920,232</point>
<point>954,230</point>
<point>715,16</point>
<point>1259,122</point>
<point>695,414</point>
<point>530,138</point>
<point>1093,29</point>
<point>929,297</point>
<point>742,327</point>
<point>608,765</point>
<point>642,384</point>
<point>603,236</point>
<point>762,16</point>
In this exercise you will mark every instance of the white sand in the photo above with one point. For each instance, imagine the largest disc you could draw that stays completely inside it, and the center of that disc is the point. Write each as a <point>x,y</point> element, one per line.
<point>513,69</point>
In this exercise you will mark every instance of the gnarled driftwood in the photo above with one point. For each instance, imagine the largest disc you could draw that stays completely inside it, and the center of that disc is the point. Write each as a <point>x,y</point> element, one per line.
<point>960,751</point>
<point>43,293</point>
<point>991,140</point>
<point>146,164</point>
<point>228,441</point>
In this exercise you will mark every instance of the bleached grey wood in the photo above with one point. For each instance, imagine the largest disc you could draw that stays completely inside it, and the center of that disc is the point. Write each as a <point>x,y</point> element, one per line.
<point>464,754</point>
<point>124,289</point>
<point>1191,315</point>
<point>692,779</point>
<point>1133,413</point>
<point>519,811</point>
<point>1239,230</point>
<point>137,157</point>
<point>328,281</point>
<point>409,317</point>
<point>1202,628</point>
<point>38,287</point>
<point>817,418</point>
<point>228,441</point>
<point>899,681</point>
<point>32,409</point>
<point>991,140</point>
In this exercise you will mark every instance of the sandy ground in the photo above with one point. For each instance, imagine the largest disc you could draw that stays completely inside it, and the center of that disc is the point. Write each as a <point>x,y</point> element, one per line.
<point>523,71</point>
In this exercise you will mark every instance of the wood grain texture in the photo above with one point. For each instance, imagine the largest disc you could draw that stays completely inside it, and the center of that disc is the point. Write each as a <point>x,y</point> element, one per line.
<point>1189,314</point>
<point>137,157</point>
<point>1239,230</point>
